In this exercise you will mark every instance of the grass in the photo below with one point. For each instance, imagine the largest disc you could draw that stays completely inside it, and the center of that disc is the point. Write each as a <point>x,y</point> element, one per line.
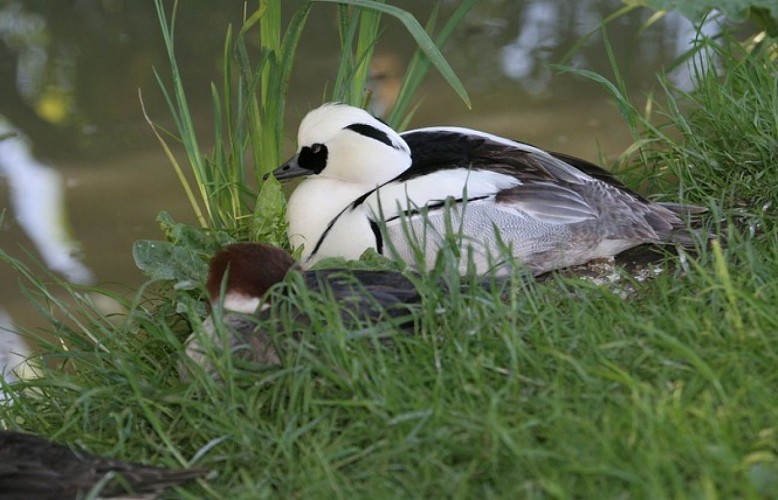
<point>524,390</point>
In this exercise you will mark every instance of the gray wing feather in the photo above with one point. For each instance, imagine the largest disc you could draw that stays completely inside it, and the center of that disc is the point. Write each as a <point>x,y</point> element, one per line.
<point>547,202</point>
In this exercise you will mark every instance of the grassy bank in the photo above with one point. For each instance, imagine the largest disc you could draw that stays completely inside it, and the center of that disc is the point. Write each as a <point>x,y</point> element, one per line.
<point>559,388</point>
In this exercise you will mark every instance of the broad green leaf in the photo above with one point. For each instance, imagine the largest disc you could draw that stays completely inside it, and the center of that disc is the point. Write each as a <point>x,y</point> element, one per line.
<point>268,224</point>
<point>183,257</point>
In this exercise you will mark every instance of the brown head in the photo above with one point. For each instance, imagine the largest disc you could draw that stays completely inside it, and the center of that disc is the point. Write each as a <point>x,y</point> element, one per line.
<point>251,269</point>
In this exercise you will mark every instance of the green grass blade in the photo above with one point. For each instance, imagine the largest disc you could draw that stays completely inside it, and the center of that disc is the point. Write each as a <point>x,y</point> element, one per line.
<point>419,65</point>
<point>177,167</point>
<point>422,39</point>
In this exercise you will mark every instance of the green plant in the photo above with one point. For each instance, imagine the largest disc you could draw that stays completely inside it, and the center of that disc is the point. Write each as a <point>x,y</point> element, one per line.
<point>763,13</point>
<point>718,138</point>
<point>249,118</point>
<point>249,112</point>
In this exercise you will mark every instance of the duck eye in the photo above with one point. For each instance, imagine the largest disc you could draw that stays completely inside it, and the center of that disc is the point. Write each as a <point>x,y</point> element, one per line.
<point>313,157</point>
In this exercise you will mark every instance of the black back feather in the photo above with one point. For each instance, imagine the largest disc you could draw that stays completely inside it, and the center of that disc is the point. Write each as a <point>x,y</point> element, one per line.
<point>34,467</point>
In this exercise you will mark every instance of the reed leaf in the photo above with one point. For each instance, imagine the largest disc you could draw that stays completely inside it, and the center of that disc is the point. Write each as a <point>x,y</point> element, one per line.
<point>422,39</point>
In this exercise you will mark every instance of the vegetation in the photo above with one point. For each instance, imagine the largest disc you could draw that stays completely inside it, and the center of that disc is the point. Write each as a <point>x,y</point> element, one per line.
<point>559,388</point>
<point>762,13</point>
<point>249,112</point>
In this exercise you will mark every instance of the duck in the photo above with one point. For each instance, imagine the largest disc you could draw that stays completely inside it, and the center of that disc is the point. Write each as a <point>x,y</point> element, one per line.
<point>32,466</point>
<point>367,186</point>
<point>245,280</point>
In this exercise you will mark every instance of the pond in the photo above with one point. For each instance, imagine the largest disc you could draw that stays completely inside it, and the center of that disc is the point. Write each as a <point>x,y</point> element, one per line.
<point>90,177</point>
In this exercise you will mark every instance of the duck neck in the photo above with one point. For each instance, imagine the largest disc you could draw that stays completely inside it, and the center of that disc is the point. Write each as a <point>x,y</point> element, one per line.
<point>313,204</point>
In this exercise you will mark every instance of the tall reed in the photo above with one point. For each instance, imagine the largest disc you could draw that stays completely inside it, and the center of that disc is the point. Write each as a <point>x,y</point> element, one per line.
<point>233,192</point>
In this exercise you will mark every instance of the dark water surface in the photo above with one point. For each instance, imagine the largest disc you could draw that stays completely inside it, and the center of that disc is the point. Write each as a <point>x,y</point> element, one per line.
<point>70,71</point>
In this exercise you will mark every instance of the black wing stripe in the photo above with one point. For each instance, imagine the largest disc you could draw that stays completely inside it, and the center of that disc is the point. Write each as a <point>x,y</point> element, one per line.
<point>379,239</point>
<point>435,206</point>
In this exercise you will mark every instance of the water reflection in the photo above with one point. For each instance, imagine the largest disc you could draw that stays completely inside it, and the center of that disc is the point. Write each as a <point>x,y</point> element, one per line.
<point>38,205</point>
<point>25,33</point>
<point>70,71</point>
<point>546,30</point>
<point>686,35</point>
<point>526,58</point>
<point>13,354</point>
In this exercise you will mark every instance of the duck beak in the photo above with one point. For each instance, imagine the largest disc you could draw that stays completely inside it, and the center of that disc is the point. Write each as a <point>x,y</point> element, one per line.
<point>289,170</point>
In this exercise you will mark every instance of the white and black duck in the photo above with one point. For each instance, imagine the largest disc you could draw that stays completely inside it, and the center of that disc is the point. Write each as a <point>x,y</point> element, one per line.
<point>369,187</point>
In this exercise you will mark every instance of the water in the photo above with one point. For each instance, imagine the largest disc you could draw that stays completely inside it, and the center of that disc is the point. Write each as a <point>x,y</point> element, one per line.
<point>94,177</point>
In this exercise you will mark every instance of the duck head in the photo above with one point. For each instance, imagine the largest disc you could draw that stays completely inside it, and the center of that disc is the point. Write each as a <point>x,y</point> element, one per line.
<point>348,144</point>
<point>246,271</point>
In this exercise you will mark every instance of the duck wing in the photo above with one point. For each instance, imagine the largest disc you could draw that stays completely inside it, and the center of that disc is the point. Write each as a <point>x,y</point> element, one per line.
<point>446,148</point>
<point>364,295</point>
<point>438,148</point>
<point>595,171</point>
<point>454,163</point>
<point>34,467</point>
<point>552,187</point>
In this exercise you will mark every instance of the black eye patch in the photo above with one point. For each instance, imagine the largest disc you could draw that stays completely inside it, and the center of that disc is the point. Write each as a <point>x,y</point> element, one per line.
<point>372,132</point>
<point>313,158</point>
